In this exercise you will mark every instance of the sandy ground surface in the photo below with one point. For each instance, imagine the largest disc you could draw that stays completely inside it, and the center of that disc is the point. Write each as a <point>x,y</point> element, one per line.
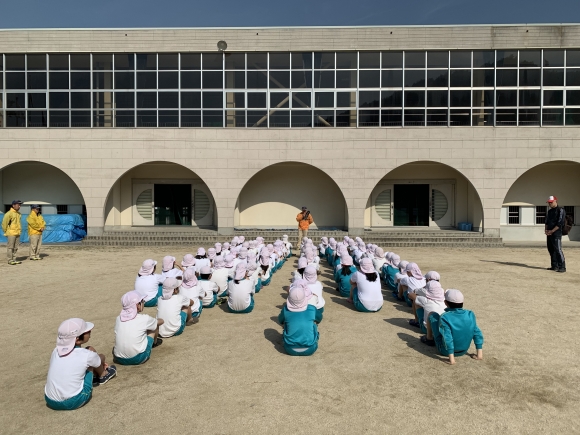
<point>229,373</point>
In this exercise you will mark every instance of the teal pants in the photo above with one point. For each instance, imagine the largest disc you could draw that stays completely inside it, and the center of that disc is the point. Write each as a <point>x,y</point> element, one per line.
<point>434,320</point>
<point>246,310</point>
<point>258,286</point>
<point>197,313</point>
<point>213,302</point>
<point>420,314</point>
<point>183,321</point>
<point>77,401</point>
<point>137,359</point>
<point>267,281</point>
<point>153,302</point>
<point>309,350</point>
<point>359,305</point>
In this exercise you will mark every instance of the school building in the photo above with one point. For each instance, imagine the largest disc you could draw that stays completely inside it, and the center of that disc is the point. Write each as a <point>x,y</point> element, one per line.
<point>373,128</point>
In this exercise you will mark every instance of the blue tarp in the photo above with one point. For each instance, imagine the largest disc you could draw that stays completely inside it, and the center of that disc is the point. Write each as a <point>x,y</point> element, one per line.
<point>60,228</point>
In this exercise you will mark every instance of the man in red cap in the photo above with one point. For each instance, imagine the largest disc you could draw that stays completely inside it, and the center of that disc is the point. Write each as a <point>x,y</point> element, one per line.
<point>555,220</point>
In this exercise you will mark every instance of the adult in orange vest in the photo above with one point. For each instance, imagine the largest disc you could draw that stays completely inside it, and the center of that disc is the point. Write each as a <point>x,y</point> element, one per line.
<point>304,220</point>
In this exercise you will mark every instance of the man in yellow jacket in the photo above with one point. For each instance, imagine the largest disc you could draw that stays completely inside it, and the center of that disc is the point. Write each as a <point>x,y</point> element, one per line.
<point>12,230</point>
<point>36,226</point>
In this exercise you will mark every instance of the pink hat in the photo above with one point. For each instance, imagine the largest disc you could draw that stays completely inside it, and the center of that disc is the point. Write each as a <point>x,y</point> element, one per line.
<point>252,244</point>
<point>252,255</point>
<point>251,266</point>
<point>226,245</point>
<point>169,285</point>
<point>432,275</point>
<point>309,255</point>
<point>129,302</point>
<point>205,270</point>
<point>168,261</point>
<point>265,260</point>
<point>211,253</point>
<point>395,260</point>
<point>403,265</point>
<point>218,247</point>
<point>389,258</point>
<point>188,260</point>
<point>346,260</point>
<point>243,253</point>
<point>240,271</point>
<point>218,262</point>
<point>241,239</point>
<point>302,263</point>
<point>434,291</point>
<point>201,251</point>
<point>453,295</point>
<point>229,260</point>
<point>298,296</point>
<point>415,271</point>
<point>366,265</point>
<point>68,331</point>
<point>332,244</point>
<point>379,252</point>
<point>324,240</point>
<point>189,279</point>
<point>246,245</point>
<point>270,248</point>
<point>310,275</point>
<point>147,267</point>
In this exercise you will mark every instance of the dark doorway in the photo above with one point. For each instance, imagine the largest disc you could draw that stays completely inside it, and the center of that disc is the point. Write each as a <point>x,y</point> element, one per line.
<point>172,204</point>
<point>411,204</point>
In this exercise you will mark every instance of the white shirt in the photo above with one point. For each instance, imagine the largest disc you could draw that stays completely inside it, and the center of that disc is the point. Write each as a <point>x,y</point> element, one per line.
<point>231,272</point>
<point>194,294</point>
<point>296,276</point>
<point>131,336</point>
<point>378,263</point>
<point>369,293</point>
<point>412,283</point>
<point>316,289</point>
<point>169,310</point>
<point>208,288</point>
<point>239,295</point>
<point>429,306</point>
<point>148,285</point>
<point>66,374</point>
<point>201,262</point>
<point>173,273</point>
<point>220,277</point>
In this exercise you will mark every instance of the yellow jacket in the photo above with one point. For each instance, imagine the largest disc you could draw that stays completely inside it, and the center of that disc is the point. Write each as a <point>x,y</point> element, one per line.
<point>35,223</point>
<point>11,223</point>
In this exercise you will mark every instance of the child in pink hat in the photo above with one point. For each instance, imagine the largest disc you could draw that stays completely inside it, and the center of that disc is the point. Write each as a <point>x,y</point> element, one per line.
<point>201,260</point>
<point>135,333</point>
<point>343,275</point>
<point>209,288</point>
<point>170,269</point>
<point>299,319</point>
<point>241,291</point>
<point>149,283</point>
<point>188,262</point>
<point>315,286</point>
<point>432,302</point>
<point>414,282</point>
<point>69,384</point>
<point>190,288</point>
<point>174,308</point>
<point>365,289</point>
<point>220,275</point>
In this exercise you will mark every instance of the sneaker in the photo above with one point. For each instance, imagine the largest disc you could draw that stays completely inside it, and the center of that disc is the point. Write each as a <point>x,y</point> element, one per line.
<point>158,342</point>
<point>39,258</point>
<point>12,262</point>
<point>17,262</point>
<point>111,373</point>
<point>561,270</point>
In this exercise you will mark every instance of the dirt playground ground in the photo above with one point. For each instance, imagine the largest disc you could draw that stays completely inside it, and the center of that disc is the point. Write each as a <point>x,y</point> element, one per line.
<point>229,373</point>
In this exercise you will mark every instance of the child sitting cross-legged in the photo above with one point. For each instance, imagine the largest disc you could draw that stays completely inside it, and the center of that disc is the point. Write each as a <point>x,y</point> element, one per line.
<point>241,291</point>
<point>343,275</point>
<point>135,333</point>
<point>209,289</point>
<point>432,302</point>
<point>149,283</point>
<point>190,288</point>
<point>365,291</point>
<point>174,309</point>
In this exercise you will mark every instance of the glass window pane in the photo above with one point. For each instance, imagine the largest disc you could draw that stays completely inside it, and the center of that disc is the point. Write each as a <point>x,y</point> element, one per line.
<point>56,62</point>
<point>80,100</point>
<point>572,58</point>
<point>124,100</point>
<point>102,100</point>
<point>236,100</point>
<point>437,78</point>
<point>15,80</point>
<point>572,77</point>
<point>414,98</point>
<point>16,119</point>
<point>460,78</point>
<point>369,79</point>
<point>391,118</point>
<point>146,118</point>
<point>38,61</point>
<point>324,79</point>
<point>14,62</point>
<point>124,118</point>
<point>506,117</point>
<point>190,100</point>
<point>437,59</point>
<point>460,98</point>
<point>36,80</point>
<point>324,99</point>
<point>482,117</point>
<point>507,97</point>
<point>392,78</point>
<point>483,59</point>
<point>346,79</point>
<point>103,61</point>
<point>80,62</point>
<point>572,116</point>
<point>301,100</point>
<point>236,118</point>
<point>80,118</point>
<point>168,61</point>
<point>280,118</point>
<point>257,79</point>
<point>483,97</point>
<point>102,118</point>
<point>415,59</point>
<point>301,60</point>
<point>529,117</point>
<point>530,97</point>
<point>369,99</point>
<point>235,60</point>
<point>58,118</point>
<point>279,79</point>
<point>38,119</point>
<point>257,118</point>
<point>347,118</point>
<point>507,58</point>
<point>124,80</point>
<point>553,58</point>
<point>530,77</point>
<point>146,80</point>
<point>507,77</point>
<point>191,80</point>
<point>146,100</point>
<point>212,79</point>
<point>553,117</point>
<point>58,80</point>
<point>280,61</point>
<point>346,60</point>
<point>530,58</point>
<point>38,101</point>
<point>146,61</point>
<point>302,79</point>
<point>414,117</point>
<point>437,118</point>
<point>190,61</point>
<point>257,60</point>
<point>392,98</point>
<point>191,118</point>
<point>58,100</point>
<point>369,59</point>
<point>392,59</point>
<point>459,117</point>
<point>346,99</point>
<point>414,78</point>
<point>324,60</point>
<point>256,99</point>
<point>301,118</point>
<point>212,100</point>
<point>125,61</point>
<point>168,118</point>
<point>572,98</point>
<point>279,100</point>
<point>235,79</point>
<point>324,118</point>
<point>553,98</point>
<point>102,80</point>
<point>461,59</point>
<point>483,78</point>
<point>80,80</point>
<point>436,98</point>
<point>554,77</point>
<point>169,79</point>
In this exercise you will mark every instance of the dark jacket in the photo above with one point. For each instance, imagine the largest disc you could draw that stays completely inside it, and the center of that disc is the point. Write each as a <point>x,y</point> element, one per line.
<point>556,217</point>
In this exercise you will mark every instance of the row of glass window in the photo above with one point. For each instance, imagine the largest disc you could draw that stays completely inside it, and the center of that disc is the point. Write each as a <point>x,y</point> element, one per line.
<point>293,118</point>
<point>288,61</point>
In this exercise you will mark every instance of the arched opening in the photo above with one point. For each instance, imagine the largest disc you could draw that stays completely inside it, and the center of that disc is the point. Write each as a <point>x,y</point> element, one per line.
<point>424,194</point>
<point>524,207</point>
<point>160,194</point>
<point>273,197</point>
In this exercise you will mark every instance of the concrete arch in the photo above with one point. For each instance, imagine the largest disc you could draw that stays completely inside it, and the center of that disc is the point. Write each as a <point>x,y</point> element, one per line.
<point>119,201</point>
<point>273,195</point>
<point>464,200</point>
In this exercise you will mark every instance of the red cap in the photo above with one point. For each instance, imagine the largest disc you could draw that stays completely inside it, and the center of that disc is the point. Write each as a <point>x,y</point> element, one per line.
<point>552,199</point>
